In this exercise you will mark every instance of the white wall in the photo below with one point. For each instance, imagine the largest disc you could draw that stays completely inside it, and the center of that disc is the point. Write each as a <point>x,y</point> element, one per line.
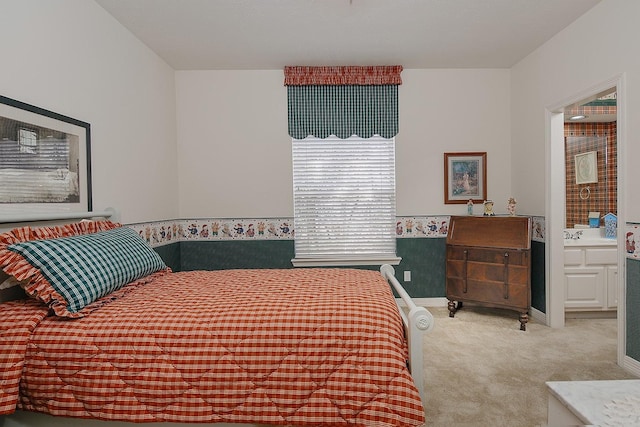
<point>235,155</point>
<point>232,157</point>
<point>445,110</point>
<point>71,57</point>
<point>599,46</point>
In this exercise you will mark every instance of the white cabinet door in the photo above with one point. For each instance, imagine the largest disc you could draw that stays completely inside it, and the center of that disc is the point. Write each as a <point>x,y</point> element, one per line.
<point>584,287</point>
<point>612,287</point>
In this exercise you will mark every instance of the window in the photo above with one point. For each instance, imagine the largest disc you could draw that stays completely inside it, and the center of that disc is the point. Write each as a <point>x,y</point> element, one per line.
<point>344,201</point>
<point>27,141</point>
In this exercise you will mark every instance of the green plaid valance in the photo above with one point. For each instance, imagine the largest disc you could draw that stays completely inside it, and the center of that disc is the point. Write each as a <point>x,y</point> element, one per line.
<point>343,110</point>
<point>343,101</point>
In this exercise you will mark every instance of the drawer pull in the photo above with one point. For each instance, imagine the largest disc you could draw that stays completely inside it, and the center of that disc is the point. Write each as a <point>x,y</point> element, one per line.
<point>506,275</point>
<point>464,272</point>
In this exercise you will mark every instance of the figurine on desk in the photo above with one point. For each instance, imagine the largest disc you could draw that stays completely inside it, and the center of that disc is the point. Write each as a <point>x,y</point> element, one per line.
<point>470,207</point>
<point>488,208</point>
<point>511,206</point>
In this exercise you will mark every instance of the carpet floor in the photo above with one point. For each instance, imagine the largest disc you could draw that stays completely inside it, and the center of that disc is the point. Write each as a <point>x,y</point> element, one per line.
<point>482,370</point>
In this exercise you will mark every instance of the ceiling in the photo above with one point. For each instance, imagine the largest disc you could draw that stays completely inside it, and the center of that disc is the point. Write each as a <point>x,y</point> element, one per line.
<point>269,34</point>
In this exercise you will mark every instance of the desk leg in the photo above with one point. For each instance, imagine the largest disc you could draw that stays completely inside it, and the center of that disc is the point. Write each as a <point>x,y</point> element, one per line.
<point>453,307</point>
<point>524,318</point>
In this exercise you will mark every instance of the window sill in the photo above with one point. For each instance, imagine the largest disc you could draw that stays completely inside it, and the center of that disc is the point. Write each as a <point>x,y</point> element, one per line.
<point>343,262</point>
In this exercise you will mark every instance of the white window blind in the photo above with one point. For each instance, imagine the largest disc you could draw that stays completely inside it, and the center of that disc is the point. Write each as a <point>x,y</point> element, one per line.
<point>344,201</point>
<point>28,141</point>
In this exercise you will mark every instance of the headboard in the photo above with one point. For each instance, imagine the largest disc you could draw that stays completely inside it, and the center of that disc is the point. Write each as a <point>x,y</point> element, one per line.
<point>10,221</point>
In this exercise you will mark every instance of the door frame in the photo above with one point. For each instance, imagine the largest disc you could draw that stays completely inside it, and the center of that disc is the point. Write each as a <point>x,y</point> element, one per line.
<point>555,205</point>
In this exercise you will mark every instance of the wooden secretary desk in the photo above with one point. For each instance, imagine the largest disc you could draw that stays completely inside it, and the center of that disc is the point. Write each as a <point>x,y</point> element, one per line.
<point>489,263</point>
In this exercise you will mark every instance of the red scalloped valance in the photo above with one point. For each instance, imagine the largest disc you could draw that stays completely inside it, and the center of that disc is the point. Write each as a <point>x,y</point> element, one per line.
<point>343,75</point>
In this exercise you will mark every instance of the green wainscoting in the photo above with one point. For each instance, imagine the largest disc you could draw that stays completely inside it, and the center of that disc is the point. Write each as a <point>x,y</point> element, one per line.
<point>228,254</point>
<point>633,309</point>
<point>170,254</point>
<point>423,257</point>
<point>538,282</point>
<point>426,259</point>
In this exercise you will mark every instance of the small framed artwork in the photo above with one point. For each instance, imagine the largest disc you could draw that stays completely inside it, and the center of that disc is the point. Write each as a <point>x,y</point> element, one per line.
<point>45,161</point>
<point>465,177</point>
<point>586,167</point>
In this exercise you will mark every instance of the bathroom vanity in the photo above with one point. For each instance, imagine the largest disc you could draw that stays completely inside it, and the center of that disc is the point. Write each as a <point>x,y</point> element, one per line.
<point>590,271</point>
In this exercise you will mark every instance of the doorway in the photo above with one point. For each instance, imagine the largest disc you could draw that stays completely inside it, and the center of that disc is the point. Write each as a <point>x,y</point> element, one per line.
<point>556,210</point>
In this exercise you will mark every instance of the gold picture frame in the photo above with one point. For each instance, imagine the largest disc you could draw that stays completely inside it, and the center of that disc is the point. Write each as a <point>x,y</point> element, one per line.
<point>465,177</point>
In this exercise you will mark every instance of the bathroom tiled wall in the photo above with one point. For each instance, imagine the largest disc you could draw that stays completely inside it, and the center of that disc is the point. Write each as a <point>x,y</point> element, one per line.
<point>601,196</point>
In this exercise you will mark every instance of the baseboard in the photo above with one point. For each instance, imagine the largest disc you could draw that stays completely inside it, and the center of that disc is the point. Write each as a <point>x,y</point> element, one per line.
<point>591,314</point>
<point>631,365</point>
<point>538,316</point>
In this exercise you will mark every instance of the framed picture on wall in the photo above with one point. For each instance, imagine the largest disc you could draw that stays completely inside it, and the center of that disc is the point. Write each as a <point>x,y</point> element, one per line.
<point>465,177</point>
<point>586,167</point>
<point>45,161</point>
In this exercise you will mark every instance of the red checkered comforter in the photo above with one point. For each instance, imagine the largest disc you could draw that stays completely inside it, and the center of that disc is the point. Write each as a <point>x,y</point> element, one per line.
<point>288,347</point>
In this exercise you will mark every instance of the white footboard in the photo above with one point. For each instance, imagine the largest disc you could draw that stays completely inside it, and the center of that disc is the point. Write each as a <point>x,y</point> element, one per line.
<point>417,322</point>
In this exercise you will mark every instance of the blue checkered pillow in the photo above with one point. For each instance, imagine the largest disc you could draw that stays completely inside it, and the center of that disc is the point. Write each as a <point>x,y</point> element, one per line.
<point>83,268</point>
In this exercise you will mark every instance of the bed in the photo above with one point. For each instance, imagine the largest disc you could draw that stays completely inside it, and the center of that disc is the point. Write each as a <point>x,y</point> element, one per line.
<point>108,332</point>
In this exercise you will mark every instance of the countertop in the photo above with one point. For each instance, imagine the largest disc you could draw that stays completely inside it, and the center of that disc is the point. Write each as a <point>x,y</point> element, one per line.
<point>587,237</point>
<point>600,403</point>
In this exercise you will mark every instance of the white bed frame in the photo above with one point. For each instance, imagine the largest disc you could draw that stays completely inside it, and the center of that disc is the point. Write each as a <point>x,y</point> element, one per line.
<point>417,321</point>
<point>56,216</point>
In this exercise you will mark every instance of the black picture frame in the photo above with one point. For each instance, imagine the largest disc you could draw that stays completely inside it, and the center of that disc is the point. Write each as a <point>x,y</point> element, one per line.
<point>34,143</point>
